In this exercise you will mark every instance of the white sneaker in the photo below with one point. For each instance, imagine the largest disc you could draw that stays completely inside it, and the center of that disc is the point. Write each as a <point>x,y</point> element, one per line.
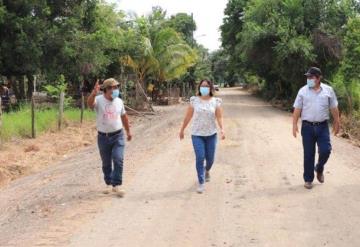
<point>200,188</point>
<point>118,191</point>
<point>107,190</point>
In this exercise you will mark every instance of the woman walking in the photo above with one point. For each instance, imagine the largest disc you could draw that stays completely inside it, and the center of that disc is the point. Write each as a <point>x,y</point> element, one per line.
<point>205,109</point>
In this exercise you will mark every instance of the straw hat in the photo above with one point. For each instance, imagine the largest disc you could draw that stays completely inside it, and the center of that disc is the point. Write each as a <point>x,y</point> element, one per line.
<point>109,83</point>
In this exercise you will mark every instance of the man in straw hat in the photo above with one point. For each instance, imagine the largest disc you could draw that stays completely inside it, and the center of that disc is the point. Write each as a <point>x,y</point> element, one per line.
<point>111,119</point>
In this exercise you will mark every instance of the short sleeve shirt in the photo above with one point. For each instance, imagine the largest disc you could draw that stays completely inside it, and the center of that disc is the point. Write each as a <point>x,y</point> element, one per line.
<point>108,114</point>
<point>314,105</point>
<point>204,119</point>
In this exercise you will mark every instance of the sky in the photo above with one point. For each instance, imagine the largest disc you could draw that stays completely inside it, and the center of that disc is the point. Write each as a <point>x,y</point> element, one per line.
<point>208,15</point>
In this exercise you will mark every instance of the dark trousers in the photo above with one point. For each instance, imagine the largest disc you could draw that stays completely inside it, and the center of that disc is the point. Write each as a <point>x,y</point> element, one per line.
<point>112,155</point>
<point>312,135</point>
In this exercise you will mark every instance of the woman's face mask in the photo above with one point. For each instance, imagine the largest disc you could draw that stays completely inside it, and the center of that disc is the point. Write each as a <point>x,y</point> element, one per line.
<point>205,91</point>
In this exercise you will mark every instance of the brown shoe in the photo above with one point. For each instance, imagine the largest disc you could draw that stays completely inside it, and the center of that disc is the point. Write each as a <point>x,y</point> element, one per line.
<point>308,185</point>
<point>320,177</point>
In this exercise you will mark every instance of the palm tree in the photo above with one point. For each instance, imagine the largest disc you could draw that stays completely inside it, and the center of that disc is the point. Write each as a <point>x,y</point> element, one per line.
<point>173,55</point>
<point>157,52</point>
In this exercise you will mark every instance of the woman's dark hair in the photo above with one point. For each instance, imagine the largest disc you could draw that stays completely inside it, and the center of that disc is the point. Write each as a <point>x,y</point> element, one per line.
<point>212,89</point>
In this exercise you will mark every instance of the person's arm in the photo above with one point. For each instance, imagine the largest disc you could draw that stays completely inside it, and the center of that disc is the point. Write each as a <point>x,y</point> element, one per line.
<point>298,105</point>
<point>220,121</point>
<point>91,98</point>
<point>336,116</point>
<point>188,116</point>
<point>125,121</point>
<point>335,112</point>
<point>296,116</point>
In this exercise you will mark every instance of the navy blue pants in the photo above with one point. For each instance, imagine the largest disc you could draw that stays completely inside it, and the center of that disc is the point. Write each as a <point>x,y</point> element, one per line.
<point>112,156</point>
<point>312,135</point>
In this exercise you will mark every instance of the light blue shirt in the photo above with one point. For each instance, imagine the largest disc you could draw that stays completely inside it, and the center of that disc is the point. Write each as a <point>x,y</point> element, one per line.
<point>314,105</point>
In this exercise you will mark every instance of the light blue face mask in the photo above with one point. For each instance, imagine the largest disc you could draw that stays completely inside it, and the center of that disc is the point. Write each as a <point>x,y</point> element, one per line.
<point>205,91</point>
<point>115,93</point>
<point>310,83</point>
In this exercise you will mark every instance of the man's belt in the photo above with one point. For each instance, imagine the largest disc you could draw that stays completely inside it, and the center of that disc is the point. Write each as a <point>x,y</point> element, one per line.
<point>109,134</point>
<point>315,123</point>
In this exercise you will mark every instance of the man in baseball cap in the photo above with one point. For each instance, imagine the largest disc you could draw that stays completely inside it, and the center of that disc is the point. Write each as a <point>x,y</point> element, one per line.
<point>313,71</point>
<point>313,103</point>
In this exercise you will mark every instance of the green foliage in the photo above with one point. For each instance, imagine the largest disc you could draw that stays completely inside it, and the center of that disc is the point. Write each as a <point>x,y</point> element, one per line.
<point>279,39</point>
<point>55,90</point>
<point>88,39</point>
<point>351,62</point>
<point>59,87</point>
<point>203,68</point>
<point>347,80</point>
<point>84,44</point>
<point>185,25</point>
<point>272,43</point>
<point>2,12</point>
<point>18,124</point>
<point>230,29</point>
<point>154,50</point>
<point>220,68</point>
<point>21,34</point>
<point>173,55</point>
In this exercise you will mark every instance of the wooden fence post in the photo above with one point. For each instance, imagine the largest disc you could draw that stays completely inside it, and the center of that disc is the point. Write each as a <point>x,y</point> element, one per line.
<point>0,118</point>
<point>0,113</point>
<point>33,130</point>
<point>82,107</point>
<point>61,109</point>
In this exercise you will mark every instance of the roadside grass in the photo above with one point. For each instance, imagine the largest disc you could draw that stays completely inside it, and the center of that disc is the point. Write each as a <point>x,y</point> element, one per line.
<point>18,123</point>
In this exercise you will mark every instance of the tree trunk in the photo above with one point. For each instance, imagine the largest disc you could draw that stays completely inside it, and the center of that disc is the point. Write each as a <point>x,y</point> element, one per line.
<point>142,91</point>
<point>21,87</point>
<point>13,85</point>
<point>30,86</point>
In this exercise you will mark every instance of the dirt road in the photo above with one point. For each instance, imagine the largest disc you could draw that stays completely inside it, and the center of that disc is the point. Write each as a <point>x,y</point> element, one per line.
<point>255,198</point>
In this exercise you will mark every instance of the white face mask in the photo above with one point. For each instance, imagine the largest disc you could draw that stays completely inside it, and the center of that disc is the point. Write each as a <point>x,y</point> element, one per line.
<point>310,83</point>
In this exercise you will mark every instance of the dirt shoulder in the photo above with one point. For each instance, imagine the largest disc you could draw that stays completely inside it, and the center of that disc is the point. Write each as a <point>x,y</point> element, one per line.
<point>52,199</point>
<point>22,157</point>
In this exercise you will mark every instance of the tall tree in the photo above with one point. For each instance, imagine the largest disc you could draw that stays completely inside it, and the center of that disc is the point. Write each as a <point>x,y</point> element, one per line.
<point>185,25</point>
<point>232,26</point>
<point>21,35</point>
<point>219,66</point>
